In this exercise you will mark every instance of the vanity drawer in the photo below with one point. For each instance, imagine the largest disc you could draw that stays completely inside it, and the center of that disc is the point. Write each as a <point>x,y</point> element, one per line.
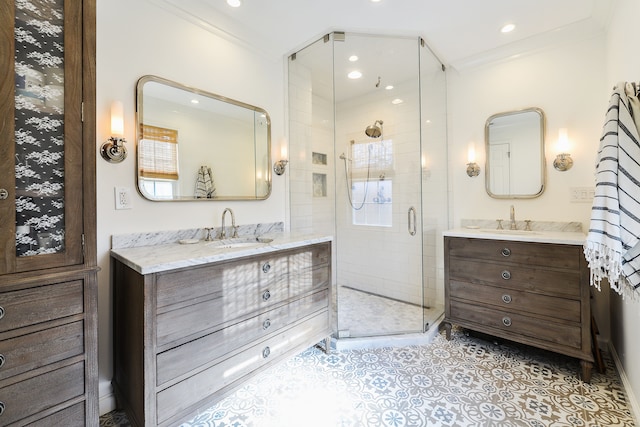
<point>190,285</point>
<point>563,283</point>
<point>235,303</point>
<point>41,304</point>
<point>28,397</point>
<point>538,254</point>
<point>541,329</point>
<point>180,360</point>
<point>201,386</point>
<point>516,301</point>
<point>27,352</point>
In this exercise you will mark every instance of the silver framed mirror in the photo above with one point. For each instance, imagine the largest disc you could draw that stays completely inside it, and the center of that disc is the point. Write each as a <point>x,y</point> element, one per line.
<point>195,145</point>
<point>514,149</point>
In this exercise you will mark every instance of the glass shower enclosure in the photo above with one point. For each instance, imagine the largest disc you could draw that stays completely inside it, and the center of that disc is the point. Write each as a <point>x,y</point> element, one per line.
<point>368,165</point>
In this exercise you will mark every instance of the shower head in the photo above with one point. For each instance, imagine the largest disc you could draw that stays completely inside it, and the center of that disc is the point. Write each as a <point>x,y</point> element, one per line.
<point>374,131</point>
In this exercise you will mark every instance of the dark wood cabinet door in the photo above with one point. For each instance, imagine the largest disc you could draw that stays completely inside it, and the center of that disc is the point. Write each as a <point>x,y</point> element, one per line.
<point>41,134</point>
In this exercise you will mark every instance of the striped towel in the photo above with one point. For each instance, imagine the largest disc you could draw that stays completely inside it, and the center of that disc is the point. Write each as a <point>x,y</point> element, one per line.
<point>612,247</point>
<point>205,188</point>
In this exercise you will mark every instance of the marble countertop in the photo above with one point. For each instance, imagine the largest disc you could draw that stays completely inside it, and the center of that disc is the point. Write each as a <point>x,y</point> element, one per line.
<point>155,258</point>
<point>559,237</point>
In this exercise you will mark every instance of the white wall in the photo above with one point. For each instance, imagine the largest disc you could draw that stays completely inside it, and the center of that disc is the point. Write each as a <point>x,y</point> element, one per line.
<point>569,83</point>
<point>623,64</point>
<point>135,38</point>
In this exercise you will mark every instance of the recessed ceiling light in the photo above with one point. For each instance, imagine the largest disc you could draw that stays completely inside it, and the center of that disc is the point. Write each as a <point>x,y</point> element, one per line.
<point>397,101</point>
<point>234,3</point>
<point>375,1</point>
<point>508,28</point>
<point>195,101</point>
<point>388,87</point>
<point>353,58</point>
<point>354,75</point>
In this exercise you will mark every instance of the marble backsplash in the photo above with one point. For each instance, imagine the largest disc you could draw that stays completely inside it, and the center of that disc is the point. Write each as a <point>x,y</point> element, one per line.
<point>492,224</point>
<point>119,241</point>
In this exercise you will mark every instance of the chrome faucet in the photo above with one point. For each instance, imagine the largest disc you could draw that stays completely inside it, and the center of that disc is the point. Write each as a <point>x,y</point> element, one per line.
<point>513,219</point>
<point>223,234</point>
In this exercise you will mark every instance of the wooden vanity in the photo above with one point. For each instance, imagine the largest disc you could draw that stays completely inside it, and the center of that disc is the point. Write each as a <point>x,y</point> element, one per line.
<point>532,292</point>
<point>185,337</point>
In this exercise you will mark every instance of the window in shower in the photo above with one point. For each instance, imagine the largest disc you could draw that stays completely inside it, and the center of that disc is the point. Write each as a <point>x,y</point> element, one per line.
<point>373,183</point>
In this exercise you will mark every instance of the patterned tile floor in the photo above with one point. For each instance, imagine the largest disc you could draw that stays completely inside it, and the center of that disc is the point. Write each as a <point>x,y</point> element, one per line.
<point>468,381</point>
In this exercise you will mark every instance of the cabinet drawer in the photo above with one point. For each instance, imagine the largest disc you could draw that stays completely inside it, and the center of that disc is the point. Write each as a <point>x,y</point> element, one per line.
<point>40,348</point>
<point>540,254</point>
<point>71,416</point>
<point>36,394</point>
<point>517,324</point>
<point>559,282</point>
<point>236,302</point>
<point>41,304</point>
<point>262,270</point>
<point>179,397</point>
<point>180,360</point>
<point>516,301</point>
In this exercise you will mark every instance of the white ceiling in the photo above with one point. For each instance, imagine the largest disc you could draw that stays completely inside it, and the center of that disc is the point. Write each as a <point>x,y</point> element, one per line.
<point>462,33</point>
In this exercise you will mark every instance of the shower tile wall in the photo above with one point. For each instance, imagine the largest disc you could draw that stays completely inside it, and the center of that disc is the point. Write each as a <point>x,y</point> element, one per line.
<point>363,265</point>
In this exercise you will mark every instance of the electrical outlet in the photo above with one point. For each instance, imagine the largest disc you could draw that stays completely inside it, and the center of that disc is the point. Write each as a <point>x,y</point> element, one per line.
<point>123,197</point>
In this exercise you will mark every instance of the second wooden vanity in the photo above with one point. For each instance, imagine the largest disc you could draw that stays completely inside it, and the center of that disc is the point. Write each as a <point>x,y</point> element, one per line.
<point>186,336</point>
<point>532,292</point>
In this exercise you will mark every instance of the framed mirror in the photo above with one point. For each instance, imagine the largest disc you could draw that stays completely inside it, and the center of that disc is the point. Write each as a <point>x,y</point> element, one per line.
<point>514,149</point>
<point>196,145</point>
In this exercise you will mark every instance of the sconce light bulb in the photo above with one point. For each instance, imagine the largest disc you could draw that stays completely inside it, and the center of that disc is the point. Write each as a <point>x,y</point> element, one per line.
<point>117,119</point>
<point>471,154</point>
<point>563,141</point>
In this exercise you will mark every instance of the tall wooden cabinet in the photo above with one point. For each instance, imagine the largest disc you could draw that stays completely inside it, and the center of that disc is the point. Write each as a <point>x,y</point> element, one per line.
<point>48,289</point>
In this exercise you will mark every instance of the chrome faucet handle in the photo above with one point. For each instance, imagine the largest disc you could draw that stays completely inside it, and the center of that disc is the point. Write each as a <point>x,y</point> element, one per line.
<point>499,224</point>
<point>208,237</point>
<point>527,226</point>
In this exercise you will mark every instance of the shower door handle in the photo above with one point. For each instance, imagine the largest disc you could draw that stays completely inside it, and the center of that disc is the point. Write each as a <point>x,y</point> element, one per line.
<point>411,221</point>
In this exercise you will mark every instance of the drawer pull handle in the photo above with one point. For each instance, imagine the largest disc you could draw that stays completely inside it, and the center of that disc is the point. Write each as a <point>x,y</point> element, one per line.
<point>506,275</point>
<point>3,194</point>
<point>266,295</point>
<point>266,267</point>
<point>266,352</point>
<point>266,324</point>
<point>1,312</point>
<point>1,408</point>
<point>505,252</point>
<point>2,360</point>
<point>506,299</point>
<point>506,321</point>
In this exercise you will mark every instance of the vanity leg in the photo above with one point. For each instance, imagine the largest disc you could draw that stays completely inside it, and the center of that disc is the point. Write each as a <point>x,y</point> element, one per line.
<point>327,345</point>
<point>586,370</point>
<point>447,330</point>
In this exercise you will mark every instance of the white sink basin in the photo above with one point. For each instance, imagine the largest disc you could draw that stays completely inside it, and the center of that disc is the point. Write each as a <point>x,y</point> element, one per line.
<point>240,242</point>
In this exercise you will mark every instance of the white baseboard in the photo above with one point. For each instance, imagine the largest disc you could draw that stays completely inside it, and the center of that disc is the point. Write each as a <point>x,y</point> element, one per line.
<point>626,384</point>
<point>106,400</point>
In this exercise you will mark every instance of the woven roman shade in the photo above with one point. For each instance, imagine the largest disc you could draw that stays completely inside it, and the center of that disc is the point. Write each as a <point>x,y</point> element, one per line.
<point>158,153</point>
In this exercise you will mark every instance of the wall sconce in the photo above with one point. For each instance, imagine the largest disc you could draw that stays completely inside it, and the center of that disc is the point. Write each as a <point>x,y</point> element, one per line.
<point>472,167</point>
<point>280,166</point>
<point>563,161</point>
<point>113,149</point>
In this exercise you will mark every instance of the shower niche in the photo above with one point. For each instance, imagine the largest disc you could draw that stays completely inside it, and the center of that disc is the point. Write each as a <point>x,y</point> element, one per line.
<point>374,107</point>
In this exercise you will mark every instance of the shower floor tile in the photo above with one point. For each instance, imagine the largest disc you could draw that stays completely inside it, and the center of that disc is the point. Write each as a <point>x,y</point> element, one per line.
<point>364,314</point>
<point>467,381</point>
